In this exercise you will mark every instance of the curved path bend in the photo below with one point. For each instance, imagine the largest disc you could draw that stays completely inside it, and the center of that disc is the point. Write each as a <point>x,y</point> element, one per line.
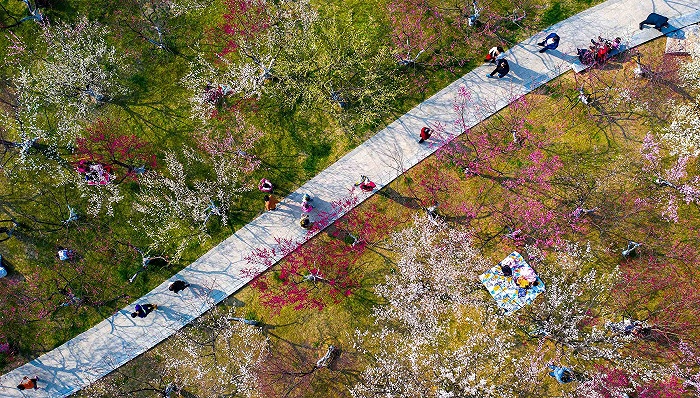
<point>217,274</point>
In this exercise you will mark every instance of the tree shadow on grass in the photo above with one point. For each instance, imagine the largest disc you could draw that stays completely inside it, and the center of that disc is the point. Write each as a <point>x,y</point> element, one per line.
<point>408,202</point>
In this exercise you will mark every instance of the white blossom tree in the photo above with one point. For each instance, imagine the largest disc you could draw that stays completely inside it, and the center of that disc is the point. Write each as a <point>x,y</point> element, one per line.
<point>58,85</point>
<point>683,133</point>
<point>431,297</point>
<point>195,186</point>
<point>261,41</point>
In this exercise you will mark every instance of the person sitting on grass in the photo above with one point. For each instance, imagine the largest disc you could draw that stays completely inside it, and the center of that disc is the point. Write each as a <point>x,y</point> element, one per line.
<point>265,185</point>
<point>562,374</point>
<point>64,254</point>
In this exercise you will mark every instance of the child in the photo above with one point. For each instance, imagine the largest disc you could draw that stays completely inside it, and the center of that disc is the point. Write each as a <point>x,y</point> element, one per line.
<point>270,202</point>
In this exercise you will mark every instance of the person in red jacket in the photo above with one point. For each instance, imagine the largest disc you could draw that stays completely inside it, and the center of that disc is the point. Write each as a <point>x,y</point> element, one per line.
<point>28,384</point>
<point>424,134</point>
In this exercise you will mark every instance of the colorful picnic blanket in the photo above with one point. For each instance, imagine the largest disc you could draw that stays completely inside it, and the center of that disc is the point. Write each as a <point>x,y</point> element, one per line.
<point>503,288</point>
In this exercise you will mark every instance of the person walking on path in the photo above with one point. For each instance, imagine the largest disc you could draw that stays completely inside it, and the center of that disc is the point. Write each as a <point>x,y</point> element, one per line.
<point>424,134</point>
<point>495,53</point>
<point>28,384</point>
<point>502,68</point>
<point>659,21</point>
<point>178,286</point>
<point>142,310</point>
<point>304,221</point>
<point>305,205</point>
<point>270,202</point>
<point>562,374</point>
<point>365,184</point>
<point>550,42</point>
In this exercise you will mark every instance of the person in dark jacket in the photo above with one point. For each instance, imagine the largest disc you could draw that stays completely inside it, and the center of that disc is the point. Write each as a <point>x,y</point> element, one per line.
<point>502,68</point>
<point>178,286</point>
<point>142,310</point>
<point>550,42</point>
<point>659,21</point>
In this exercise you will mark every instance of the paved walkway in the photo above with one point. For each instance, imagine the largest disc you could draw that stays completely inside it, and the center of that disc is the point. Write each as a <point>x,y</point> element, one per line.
<point>384,157</point>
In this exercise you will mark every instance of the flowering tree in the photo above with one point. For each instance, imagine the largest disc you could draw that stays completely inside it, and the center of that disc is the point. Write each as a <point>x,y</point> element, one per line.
<point>431,295</point>
<point>487,153</point>
<point>310,278</point>
<point>415,25</point>
<point>298,370</point>
<point>57,87</point>
<point>321,271</point>
<point>674,180</point>
<point>683,134</point>
<point>154,20</point>
<point>176,203</point>
<point>283,51</point>
<point>104,144</point>
<point>262,36</point>
<point>569,312</point>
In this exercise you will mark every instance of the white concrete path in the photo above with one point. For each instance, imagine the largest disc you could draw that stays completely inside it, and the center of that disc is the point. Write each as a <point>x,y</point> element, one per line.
<point>217,274</point>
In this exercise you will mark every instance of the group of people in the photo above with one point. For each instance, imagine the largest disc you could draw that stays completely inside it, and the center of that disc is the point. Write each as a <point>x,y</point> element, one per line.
<point>95,173</point>
<point>598,51</point>
<point>524,277</point>
<point>365,184</point>
<point>496,55</point>
<point>271,202</point>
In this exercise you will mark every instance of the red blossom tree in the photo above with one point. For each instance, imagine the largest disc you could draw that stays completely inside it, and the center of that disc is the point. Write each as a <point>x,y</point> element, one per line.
<point>104,144</point>
<point>415,29</point>
<point>322,271</point>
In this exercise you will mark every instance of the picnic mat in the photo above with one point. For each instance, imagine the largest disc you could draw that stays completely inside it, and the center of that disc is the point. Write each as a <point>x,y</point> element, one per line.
<point>508,296</point>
